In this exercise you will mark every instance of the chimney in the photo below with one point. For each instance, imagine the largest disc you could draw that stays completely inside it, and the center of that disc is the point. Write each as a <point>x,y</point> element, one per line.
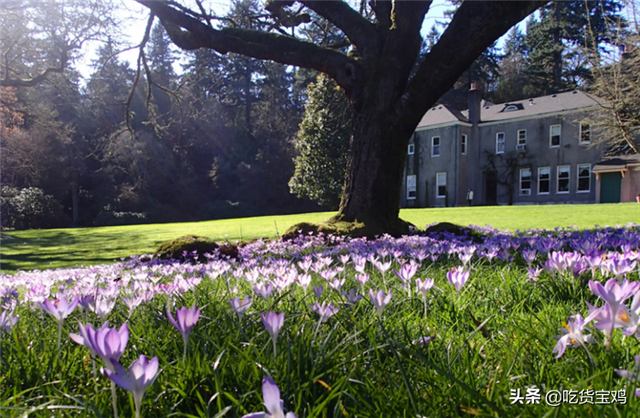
<point>475,104</point>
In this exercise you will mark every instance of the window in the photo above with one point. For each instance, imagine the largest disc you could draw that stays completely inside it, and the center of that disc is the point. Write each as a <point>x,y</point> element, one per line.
<point>411,150</point>
<point>554,136</point>
<point>500,143</point>
<point>525,182</point>
<point>435,146</point>
<point>441,184</point>
<point>584,177</point>
<point>563,179</point>
<point>522,139</point>
<point>411,187</point>
<point>585,133</point>
<point>463,144</point>
<point>544,179</point>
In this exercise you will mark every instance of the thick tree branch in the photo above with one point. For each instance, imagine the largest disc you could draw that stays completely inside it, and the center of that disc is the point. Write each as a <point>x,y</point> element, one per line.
<point>382,10</point>
<point>475,26</point>
<point>403,41</point>
<point>189,33</point>
<point>360,32</point>
<point>34,81</point>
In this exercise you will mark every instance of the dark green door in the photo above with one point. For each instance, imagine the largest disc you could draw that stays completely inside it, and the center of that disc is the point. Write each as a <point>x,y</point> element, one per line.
<point>610,185</point>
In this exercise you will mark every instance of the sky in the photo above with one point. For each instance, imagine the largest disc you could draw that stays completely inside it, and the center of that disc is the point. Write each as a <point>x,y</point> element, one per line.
<point>134,18</point>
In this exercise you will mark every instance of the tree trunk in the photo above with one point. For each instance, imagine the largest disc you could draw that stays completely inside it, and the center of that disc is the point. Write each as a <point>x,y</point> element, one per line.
<point>74,204</point>
<point>373,181</point>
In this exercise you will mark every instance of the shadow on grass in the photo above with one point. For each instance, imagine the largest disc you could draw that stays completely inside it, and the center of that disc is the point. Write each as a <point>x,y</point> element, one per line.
<point>59,248</point>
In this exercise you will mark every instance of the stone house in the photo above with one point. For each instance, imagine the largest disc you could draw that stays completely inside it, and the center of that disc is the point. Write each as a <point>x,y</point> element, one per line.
<point>533,151</point>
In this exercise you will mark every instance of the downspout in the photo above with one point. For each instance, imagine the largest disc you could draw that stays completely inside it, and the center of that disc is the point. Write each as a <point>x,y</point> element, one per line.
<point>455,165</point>
<point>416,169</point>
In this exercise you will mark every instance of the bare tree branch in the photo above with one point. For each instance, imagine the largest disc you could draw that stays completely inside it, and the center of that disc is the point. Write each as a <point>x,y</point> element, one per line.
<point>189,33</point>
<point>360,32</point>
<point>34,81</point>
<point>475,26</point>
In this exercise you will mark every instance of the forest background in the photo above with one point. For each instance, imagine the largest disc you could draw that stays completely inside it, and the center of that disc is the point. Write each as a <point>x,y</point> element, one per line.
<point>187,136</point>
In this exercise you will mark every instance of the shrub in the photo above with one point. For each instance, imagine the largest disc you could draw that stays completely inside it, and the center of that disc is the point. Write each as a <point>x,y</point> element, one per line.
<point>226,209</point>
<point>30,208</point>
<point>175,248</point>
<point>111,218</point>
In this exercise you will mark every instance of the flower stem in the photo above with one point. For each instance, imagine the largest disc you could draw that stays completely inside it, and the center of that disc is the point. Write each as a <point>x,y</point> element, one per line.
<point>274,348</point>
<point>114,399</point>
<point>184,354</point>
<point>0,352</point>
<point>95,377</point>
<point>59,334</point>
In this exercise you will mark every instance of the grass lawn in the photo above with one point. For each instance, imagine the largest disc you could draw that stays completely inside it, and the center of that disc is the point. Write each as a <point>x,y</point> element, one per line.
<point>407,327</point>
<point>68,247</point>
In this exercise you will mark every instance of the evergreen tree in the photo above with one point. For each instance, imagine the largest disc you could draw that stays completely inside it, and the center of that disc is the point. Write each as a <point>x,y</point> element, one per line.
<point>556,43</point>
<point>322,144</point>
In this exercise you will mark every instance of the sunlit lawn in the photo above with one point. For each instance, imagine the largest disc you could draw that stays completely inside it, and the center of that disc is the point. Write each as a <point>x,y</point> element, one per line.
<point>40,249</point>
<point>486,341</point>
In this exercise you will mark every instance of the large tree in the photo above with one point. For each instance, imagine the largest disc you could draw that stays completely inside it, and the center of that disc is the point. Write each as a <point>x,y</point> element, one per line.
<point>388,96</point>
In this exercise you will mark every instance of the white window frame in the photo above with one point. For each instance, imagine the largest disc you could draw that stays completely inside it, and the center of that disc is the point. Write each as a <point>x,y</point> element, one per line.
<point>434,145</point>
<point>584,130</point>
<point>441,180</point>
<point>463,144</point>
<point>528,190</point>
<point>548,179</point>
<point>521,140</point>
<point>499,142</point>
<point>551,135</point>
<point>563,169</point>
<point>411,187</point>
<point>578,179</point>
<point>411,149</point>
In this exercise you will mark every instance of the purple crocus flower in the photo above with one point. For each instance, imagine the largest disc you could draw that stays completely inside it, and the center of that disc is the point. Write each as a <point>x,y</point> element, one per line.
<point>85,300</point>
<point>141,374</point>
<point>59,308</point>
<point>379,300</point>
<point>533,273</point>
<point>7,322</point>
<point>325,310</point>
<point>108,343</point>
<point>273,323</point>
<point>614,295</point>
<point>573,335</point>
<point>458,277</point>
<point>102,306</point>
<point>318,290</point>
<point>184,321</point>
<point>529,255</point>
<point>407,271</point>
<point>263,290</point>
<point>336,284</point>
<point>362,279</point>
<point>240,305</point>
<point>272,401</point>
<point>424,286</point>
<point>83,337</point>
<point>351,296</point>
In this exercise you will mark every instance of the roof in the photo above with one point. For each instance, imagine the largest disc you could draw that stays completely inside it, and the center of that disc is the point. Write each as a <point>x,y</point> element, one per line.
<point>618,163</point>
<point>440,115</point>
<point>555,103</point>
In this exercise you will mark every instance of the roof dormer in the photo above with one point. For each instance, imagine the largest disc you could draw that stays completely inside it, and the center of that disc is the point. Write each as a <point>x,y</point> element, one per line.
<point>512,107</point>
